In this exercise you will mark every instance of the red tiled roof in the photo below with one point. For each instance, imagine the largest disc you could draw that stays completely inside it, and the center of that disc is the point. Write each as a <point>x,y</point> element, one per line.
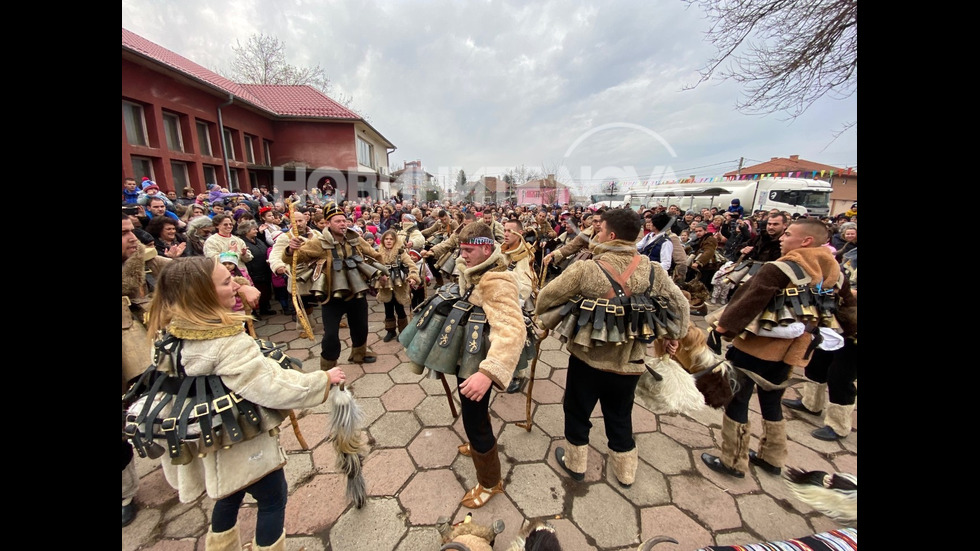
<point>304,101</point>
<point>281,100</point>
<point>783,164</point>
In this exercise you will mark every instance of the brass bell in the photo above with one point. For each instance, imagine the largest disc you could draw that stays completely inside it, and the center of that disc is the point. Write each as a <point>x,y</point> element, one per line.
<point>357,283</point>
<point>341,286</point>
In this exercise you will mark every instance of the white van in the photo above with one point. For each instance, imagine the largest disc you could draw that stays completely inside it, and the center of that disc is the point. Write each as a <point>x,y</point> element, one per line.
<point>811,197</point>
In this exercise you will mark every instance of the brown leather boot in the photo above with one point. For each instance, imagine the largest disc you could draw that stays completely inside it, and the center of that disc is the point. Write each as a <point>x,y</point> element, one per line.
<point>488,478</point>
<point>402,324</point>
<point>327,365</point>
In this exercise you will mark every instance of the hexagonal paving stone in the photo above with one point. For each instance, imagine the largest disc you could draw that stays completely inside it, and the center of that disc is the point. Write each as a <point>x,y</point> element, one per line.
<point>670,521</point>
<point>666,455</point>
<point>430,495</point>
<point>704,501</point>
<point>649,487</point>
<point>434,447</point>
<point>372,385</point>
<point>536,490</point>
<point>766,517</point>
<point>395,429</point>
<point>402,397</point>
<point>387,470</point>
<point>521,445</point>
<point>377,525</point>
<point>607,517</point>
<point>434,411</point>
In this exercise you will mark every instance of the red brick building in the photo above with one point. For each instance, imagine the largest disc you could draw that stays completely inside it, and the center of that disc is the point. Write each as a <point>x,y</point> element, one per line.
<point>184,125</point>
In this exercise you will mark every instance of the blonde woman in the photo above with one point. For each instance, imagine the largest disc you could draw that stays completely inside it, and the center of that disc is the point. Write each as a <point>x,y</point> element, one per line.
<point>395,292</point>
<point>193,301</point>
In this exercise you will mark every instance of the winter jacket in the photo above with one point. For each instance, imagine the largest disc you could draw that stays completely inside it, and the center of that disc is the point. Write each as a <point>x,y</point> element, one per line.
<point>587,279</point>
<point>496,291</point>
<point>752,298</point>
<point>235,356</point>
<point>391,257</point>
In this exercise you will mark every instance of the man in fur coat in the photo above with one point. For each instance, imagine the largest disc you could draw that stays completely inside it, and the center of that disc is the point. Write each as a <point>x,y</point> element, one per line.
<point>608,374</point>
<point>338,242</point>
<point>483,269</point>
<point>768,360</point>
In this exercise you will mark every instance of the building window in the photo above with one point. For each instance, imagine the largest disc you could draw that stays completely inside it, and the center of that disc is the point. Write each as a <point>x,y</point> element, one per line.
<point>171,124</point>
<point>135,124</point>
<point>365,153</point>
<point>180,177</point>
<point>266,150</point>
<point>249,151</point>
<point>142,167</point>
<point>204,138</point>
<point>234,182</point>
<point>210,175</point>
<point>229,145</point>
<point>253,180</point>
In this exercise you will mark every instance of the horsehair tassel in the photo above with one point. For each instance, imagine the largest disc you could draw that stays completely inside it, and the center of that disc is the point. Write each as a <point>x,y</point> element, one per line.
<point>346,418</point>
<point>297,303</point>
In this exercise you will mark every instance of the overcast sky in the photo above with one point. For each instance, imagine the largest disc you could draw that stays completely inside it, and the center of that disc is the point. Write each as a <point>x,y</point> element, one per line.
<point>591,91</point>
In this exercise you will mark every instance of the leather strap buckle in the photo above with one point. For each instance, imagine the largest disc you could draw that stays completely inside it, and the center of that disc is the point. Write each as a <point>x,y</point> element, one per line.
<point>588,304</point>
<point>791,292</point>
<point>200,410</point>
<point>222,403</point>
<point>168,424</point>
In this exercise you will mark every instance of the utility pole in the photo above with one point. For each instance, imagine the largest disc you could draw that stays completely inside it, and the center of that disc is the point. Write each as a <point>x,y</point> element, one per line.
<point>739,173</point>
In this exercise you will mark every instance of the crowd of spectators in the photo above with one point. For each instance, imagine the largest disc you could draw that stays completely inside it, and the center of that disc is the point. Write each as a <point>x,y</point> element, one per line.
<point>248,223</point>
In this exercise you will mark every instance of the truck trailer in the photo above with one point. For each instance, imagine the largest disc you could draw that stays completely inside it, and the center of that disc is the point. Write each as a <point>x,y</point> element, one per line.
<point>793,195</point>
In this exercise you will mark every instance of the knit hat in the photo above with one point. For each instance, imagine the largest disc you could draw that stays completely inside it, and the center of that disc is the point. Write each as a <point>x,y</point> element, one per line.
<point>228,256</point>
<point>151,186</point>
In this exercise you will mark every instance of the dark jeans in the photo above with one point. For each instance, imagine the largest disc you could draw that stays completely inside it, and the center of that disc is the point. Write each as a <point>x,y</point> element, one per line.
<point>476,420</point>
<point>394,308</point>
<point>584,386</point>
<point>270,492</point>
<point>770,401</point>
<point>357,319</point>
<point>838,369</point>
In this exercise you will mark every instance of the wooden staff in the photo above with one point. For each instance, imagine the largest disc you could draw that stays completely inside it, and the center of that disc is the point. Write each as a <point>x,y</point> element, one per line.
<point>449,394</point>
<point>530,384</point>
<point>297,303</point>
<point>292,414</point>
<point>537,352</point>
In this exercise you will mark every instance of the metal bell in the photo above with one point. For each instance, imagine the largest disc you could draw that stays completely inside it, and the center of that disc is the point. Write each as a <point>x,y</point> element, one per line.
<point>357,283</point>
<point>341,286</point>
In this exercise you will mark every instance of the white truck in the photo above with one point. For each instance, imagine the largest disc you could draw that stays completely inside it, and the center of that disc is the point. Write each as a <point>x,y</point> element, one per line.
<point>811,197</point>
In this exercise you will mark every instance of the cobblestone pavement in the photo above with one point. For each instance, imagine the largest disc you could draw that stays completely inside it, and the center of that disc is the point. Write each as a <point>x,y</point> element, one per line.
<point>415,475</point>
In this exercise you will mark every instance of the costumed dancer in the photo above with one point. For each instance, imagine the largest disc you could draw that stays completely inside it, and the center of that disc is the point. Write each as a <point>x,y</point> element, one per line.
<point>598,370</point>
<point>804,286</point>
<point>394,290</point>
<point>480,337</point>
<point>436,234</point>
<point>340,268</point>
<point>193,302</point>
<point>447,252</point>
<point>519,254</point>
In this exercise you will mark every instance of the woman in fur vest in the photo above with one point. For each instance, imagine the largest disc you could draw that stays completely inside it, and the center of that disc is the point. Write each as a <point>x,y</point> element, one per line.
<point>395,292</point>
<point>193,301</point>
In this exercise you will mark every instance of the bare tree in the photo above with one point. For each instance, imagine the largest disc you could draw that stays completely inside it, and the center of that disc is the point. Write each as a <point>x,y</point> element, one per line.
<point>262,60</point>
<point>786,53</point>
